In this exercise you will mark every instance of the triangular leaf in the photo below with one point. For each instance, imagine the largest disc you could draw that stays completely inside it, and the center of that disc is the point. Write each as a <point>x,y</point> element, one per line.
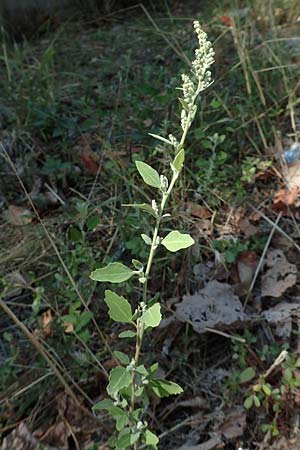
<point>143,206</point>
<point>152,316</point>
<point>175,241</point>
<point>151,438</point>
<point>164,388</point>
<point>149,175</point>
<point>119,308</point>
<point>119,378</point>
<point>113,272</point>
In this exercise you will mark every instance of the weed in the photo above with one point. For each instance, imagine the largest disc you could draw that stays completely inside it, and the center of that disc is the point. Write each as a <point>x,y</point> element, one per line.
<point>273,392</point>
<point>131,383</point>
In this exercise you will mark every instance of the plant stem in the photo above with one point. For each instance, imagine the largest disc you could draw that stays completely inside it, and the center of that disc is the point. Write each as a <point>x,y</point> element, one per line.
<point>140,326</point>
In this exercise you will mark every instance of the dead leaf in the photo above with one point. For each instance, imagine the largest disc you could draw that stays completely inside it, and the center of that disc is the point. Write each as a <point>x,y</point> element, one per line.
<point>58,434</point>
<point>247,228</point>
<point>286,444</point>
<point>70,420</point>
<point>148,122</point>
<point>227,21</point>
<point>198,211</point>
<point>16,283</point>
<point>246,264</point>
<point>46,321</point>
<point>293,176</point>
<point>234,425</point>
<point>18,215</point>
<point>22,439</point>
<point>69,327</point>
<point>286,197</point>
<point>215,306</point>
<point>282,316</point>
<point>280,276</point>
<point>212,443</point>
<point>90,160</point>
<point>205,227</point>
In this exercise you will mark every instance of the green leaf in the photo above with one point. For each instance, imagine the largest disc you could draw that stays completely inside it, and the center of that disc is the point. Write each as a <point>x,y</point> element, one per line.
<point>113,272</point>
<point>160,138</point>
<point>127,334</point>
<point>134,437</point>
<point>120,417</point>
<point>151,438</point>
<point>256,401</point>
<point>92,222</point>
<point>164,388</point>
<point>175,241</point>
<point>288,375</point>
<point>153,369</point>
<point>267,390</point>
<point>119,378</point>
<point>83,320</point>
<point>137,264</point>
<point>141,369</point>
<point>107,403</point>
<point>123,440</point>
<point>152,316</point>
<point>248,402</point>
<point>122,357</point>
<point>146,239</point>
<point>149,175</point>
<point>119,308</point>
<point>143,206</point>
<point>247,375</point>
<point>184,104</point>
<point>179,160</point>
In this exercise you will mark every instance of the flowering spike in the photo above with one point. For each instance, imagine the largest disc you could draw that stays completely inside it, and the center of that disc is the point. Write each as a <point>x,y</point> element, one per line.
<point>200,77</point>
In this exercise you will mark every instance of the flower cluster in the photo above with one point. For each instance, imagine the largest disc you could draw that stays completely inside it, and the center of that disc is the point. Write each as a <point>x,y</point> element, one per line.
<point>201,76</point>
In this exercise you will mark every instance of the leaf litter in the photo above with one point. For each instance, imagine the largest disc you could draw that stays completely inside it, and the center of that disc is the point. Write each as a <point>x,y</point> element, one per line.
<point>215,306</point>
<point>280,275</point>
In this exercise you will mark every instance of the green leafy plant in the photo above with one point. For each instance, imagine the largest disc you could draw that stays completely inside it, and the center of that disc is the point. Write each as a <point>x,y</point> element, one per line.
<point>131,383</point>
<point>252,165</point>
<point>273,392</point>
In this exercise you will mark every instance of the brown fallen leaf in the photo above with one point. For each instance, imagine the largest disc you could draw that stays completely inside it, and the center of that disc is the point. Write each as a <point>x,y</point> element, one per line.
<point>246,227</point>
<point>18,215</point>
<point>68,327</point>
<point>286,197</point>
<point>246,265</point>
<point>90,160</point>
<point>71,420</point>
<point>227,20</point>
<point>46,321</point>
<point>280,276</point>
<point>198,211</point>
<point>205,227</point>
<point>293,176</point>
